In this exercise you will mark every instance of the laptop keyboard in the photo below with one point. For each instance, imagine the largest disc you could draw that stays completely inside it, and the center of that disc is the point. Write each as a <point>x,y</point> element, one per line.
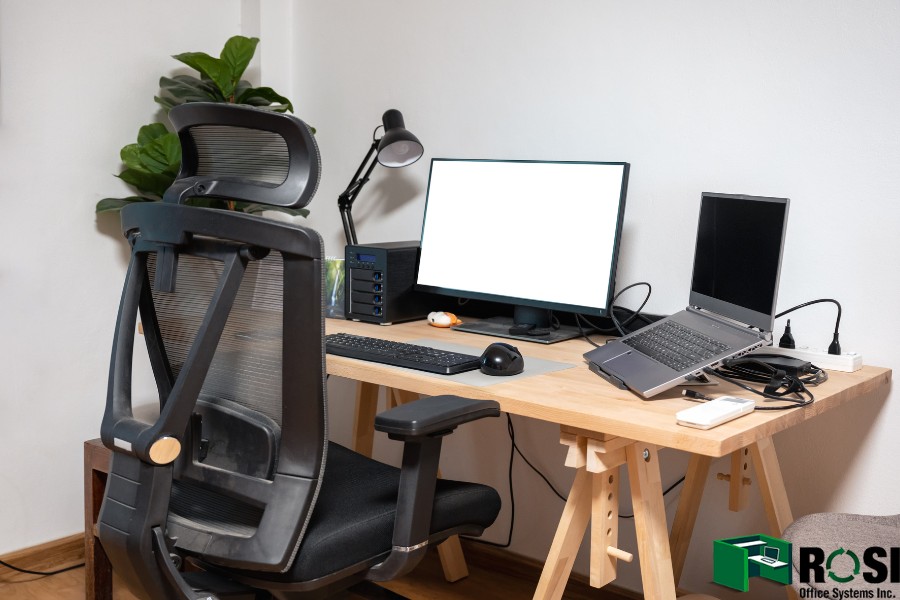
<point>412,356</point>
<point>676,346</point>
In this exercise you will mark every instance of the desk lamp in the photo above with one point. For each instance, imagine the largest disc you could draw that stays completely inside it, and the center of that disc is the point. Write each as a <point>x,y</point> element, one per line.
<point>396,148</point>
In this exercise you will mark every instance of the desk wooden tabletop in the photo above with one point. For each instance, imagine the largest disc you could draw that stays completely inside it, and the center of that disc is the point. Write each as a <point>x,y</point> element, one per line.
<point>577,398</point>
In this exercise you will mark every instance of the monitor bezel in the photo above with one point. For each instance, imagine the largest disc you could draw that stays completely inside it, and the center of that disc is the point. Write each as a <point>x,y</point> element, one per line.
<point>529,302</point>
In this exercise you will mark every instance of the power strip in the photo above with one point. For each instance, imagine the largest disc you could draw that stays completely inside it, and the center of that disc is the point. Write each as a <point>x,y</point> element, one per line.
<point>847,362</point>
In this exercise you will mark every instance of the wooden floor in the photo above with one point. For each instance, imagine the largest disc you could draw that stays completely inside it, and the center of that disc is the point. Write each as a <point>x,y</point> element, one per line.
<point>492,575</point>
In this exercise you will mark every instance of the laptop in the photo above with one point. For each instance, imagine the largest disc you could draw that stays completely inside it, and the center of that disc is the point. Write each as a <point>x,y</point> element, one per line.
<point>731,311</point>
<point>770,554</point>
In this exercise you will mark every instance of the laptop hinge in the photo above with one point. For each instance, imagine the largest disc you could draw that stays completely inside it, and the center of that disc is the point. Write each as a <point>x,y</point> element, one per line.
<point>733,324</point>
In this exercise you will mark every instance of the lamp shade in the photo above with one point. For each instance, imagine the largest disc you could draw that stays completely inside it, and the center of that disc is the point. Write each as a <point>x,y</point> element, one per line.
<point>398,147</point>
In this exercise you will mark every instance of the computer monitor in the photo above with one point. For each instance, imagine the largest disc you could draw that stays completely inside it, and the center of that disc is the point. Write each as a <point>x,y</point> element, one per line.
<point>540,235</point>
<point>771,552</point>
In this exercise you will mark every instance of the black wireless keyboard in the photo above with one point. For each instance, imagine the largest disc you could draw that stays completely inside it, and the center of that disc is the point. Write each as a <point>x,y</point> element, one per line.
<point>397,354</point>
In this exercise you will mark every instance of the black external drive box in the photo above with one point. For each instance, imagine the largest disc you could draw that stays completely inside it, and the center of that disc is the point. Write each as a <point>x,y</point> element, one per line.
<point>379,282</point>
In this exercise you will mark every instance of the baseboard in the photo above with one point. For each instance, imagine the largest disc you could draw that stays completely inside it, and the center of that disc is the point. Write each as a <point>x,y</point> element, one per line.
<point>50,556</point>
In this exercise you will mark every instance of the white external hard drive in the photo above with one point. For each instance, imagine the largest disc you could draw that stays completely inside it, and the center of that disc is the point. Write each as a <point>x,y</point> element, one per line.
<point>715,412</point>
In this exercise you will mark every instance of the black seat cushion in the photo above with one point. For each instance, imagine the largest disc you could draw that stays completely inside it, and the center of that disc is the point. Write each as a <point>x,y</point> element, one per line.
<point>353,520</point>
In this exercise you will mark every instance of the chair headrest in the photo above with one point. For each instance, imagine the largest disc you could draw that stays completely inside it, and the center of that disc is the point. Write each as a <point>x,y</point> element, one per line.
<point>240,152</point>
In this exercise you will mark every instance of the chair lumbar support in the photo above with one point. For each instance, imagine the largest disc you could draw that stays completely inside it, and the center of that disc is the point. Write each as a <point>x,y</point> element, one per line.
<point>165,450</point>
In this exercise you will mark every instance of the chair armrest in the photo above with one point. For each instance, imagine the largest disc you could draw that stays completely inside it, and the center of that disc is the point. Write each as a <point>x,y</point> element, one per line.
<point>437,415</point>
<point>421,425</point>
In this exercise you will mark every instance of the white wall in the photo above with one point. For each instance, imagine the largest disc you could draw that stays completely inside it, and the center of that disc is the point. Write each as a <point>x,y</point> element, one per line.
<point>794,99</point>
<point>77,80</point>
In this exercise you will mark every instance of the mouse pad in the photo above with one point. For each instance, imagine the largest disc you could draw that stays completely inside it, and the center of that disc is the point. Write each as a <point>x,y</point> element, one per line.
<point>533,366</point>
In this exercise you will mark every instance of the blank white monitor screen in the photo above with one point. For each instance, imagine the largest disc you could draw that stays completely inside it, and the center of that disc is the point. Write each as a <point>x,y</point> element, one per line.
<point>538,234</point>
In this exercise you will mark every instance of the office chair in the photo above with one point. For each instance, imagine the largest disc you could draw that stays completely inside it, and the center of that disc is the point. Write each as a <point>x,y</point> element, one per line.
<point>235,491</point>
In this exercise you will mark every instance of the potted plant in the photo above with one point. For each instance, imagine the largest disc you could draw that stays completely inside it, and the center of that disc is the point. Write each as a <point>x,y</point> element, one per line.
<point>152,163</point>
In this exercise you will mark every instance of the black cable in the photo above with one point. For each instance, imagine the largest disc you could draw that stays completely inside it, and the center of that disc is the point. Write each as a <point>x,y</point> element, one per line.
<point>695,396</point>
<point>513,449</point>
<point>612,304</point>
<point>750,371</point>
<point>583,333</point>
<point>794,386</point>
<point>41,573</point>
<point>632,316</point>
<point>528,462</point>
<point>837,323</point>
<point>619,327</point>
<point>678,482</point>
<point>835,346</point>
<point>512,496</point>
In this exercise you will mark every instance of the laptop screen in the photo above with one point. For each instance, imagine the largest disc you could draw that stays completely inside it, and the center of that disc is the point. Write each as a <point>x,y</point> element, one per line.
<point>737,260</point>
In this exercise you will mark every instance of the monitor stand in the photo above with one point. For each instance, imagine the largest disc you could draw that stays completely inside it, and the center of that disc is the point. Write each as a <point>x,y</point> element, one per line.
<point>527,325</point>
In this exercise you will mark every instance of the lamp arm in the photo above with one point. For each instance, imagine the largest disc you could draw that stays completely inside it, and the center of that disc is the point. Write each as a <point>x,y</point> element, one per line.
<point>348,196</point>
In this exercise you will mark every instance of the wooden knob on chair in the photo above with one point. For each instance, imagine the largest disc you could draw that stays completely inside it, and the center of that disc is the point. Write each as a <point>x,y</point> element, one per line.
<point>165,450</point>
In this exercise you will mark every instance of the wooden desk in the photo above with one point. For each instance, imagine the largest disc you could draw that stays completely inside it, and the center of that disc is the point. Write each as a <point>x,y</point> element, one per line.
<point>97,570</point>
<point>604,429</point>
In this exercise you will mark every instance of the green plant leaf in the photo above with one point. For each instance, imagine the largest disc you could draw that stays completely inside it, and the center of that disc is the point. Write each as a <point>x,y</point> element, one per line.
<point>152,164</point>
<point>117,204</point>
<point>130,156</point>
<point>237,54</point>
<point>196,61</point>
<point>242,86</point>
<point>216,70</point>
<point>150,132</point>
<point>149,183</point>
<point>167,103</point>
<point>201,86</point>
<point>162,155</point>
<point>264,94</point>
<point>188,88</point>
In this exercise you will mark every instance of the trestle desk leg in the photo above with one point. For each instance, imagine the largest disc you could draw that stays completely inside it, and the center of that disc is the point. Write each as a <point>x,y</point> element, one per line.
<point>650,522</point>
<point>569,533</point>
<point>774,494</point>
<point>686,513</point>
<point>364,418</point>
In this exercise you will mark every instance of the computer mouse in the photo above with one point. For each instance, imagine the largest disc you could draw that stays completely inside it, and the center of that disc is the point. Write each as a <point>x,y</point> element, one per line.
<point>502,359</point>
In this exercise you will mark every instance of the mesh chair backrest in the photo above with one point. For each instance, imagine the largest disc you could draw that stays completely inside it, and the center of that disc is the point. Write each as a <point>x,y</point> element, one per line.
<point>246,369</point>
<point>236,297</point>
<point>254,449</point>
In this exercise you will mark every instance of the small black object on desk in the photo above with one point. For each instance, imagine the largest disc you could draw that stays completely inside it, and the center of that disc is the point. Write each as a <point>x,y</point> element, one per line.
<point>501,358</point>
